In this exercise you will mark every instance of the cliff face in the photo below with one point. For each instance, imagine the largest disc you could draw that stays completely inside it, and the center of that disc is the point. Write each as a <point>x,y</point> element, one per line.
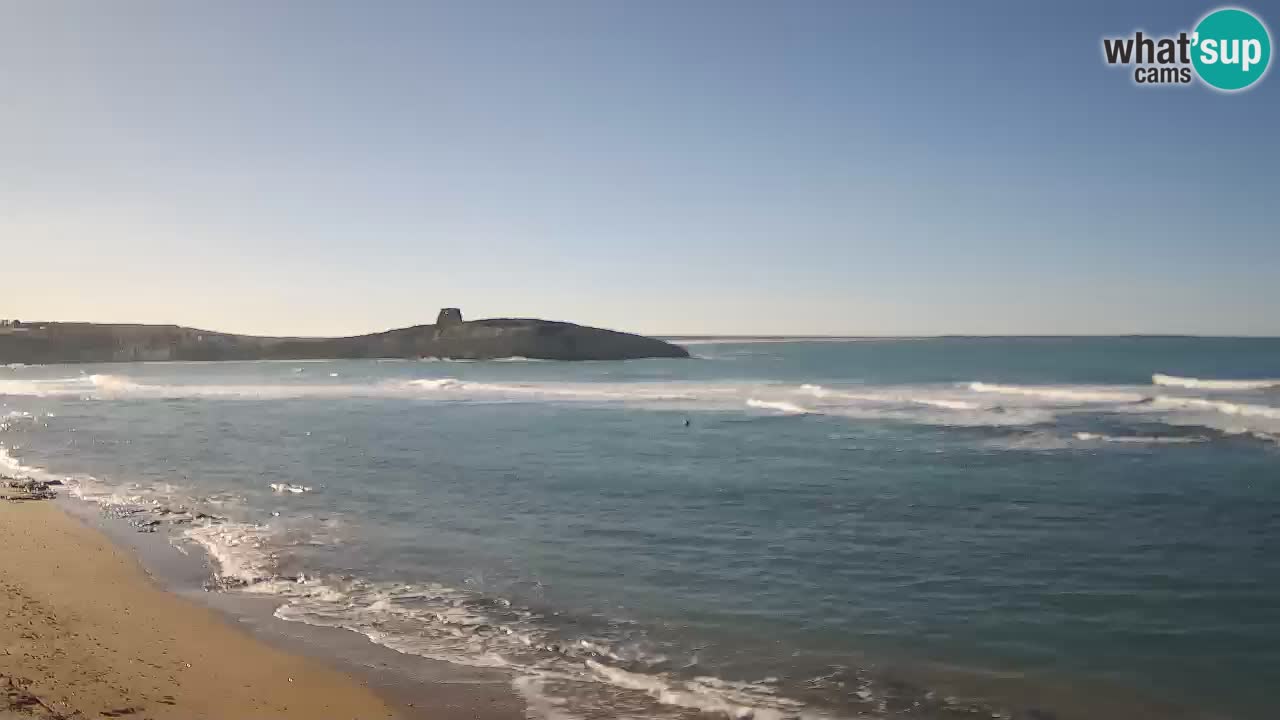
<point>450,337</point>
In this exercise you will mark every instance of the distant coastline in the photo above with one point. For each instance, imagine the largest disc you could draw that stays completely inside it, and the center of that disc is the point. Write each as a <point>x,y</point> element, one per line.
<point>705,339</point>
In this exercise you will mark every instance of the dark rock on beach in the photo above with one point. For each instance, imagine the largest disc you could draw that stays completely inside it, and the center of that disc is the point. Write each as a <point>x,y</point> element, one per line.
<point>28,489</point>
<point>450,337</point>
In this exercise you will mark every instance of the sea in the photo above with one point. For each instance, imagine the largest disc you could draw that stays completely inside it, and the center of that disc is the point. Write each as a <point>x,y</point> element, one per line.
<point>1026,528</point>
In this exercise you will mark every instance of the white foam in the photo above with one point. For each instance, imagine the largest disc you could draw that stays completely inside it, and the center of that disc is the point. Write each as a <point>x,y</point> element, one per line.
<point>428,620</point>
<point>71,386</point>
<point>740,701</point>
<point>1256,434</point>
<point>1061,393</point>
<point>910,404</point>
<point>10,465</point>
<point>443,623</point>
<point>940,404</point>
<point>947,404</point>
<point>279,488</point>
<point>1218,406</point>
<point>933,404</point>
<point>1225,416</point>
<point>580,391</point>
<point>90,489</point>
<point>440,384</point>
<point>540,704</point>
<point>904,397</point>
<point>240,550</point>
<point>110,385</point>
<point>778,405</point>
<point>1141,439</point>
<point>1204,384</point>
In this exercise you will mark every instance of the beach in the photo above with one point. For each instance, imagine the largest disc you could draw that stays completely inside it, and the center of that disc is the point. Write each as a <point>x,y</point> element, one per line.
<point>639,361</point>
<point>87,633</point>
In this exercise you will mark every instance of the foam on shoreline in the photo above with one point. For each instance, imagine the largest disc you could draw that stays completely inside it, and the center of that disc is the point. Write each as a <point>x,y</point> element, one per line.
<point>184,660</point>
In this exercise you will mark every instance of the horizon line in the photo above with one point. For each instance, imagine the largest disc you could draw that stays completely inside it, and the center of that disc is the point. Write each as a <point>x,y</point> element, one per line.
<point>694,337</point>
<point>976,336</point>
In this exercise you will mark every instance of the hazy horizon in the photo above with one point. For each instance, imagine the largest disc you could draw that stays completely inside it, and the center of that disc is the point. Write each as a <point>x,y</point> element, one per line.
<point>721,168</point>
<point>694,338</point>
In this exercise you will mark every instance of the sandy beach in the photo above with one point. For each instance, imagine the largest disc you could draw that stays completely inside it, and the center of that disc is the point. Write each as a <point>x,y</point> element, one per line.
<point>87,634</point>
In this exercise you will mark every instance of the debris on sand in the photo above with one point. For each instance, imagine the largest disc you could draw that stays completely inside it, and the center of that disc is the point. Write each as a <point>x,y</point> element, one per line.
<point>29,489</point>
<point>17,699</point>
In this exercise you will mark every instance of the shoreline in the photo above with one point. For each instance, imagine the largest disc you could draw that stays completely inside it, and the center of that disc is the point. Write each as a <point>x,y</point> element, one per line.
<point>106,622</point>
<point>417,688</point>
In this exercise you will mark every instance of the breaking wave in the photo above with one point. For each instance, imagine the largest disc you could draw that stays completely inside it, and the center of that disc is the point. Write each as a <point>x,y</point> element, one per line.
<point>1062,394</point>
<point>435,621</point>
<point>1203,384</point>
<point>9,465</point>
<point>568,391</point>
<point>104,386</point>
<point>552,669</point>
<point>241,552</point>
<point>936,404</point>
<point>115,384</point>
<point>779,405</point>
<point>1142,439</point>
<point>972,404</point>
<point>1219,406</point>
<point>891,397</point>
<point>44,388</point>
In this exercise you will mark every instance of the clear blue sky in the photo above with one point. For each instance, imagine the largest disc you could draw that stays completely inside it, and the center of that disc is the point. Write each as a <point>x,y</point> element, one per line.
<point>668,167</point>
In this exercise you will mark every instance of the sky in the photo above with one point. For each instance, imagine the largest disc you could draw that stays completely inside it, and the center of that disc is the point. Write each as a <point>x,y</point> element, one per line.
<point>667,167</point>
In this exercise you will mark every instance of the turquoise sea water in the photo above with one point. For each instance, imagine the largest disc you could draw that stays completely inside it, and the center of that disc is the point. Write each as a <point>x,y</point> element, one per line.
<point>878,528</point>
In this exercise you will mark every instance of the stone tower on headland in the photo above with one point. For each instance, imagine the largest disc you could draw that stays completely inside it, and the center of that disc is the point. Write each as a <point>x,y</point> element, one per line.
<point>448,316</point>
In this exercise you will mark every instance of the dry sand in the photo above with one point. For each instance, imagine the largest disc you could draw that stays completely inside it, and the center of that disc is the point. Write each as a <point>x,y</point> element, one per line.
<point>87,634</point>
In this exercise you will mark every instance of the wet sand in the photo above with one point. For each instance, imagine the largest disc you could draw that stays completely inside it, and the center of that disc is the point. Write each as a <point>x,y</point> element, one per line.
<point>86,633</point>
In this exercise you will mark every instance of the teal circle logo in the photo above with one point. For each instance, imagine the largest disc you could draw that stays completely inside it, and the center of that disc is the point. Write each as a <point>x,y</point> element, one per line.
<point>1232,49</point>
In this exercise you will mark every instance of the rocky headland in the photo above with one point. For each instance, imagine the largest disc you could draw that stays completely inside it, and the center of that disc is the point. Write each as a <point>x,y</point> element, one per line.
<point>449,337</point>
